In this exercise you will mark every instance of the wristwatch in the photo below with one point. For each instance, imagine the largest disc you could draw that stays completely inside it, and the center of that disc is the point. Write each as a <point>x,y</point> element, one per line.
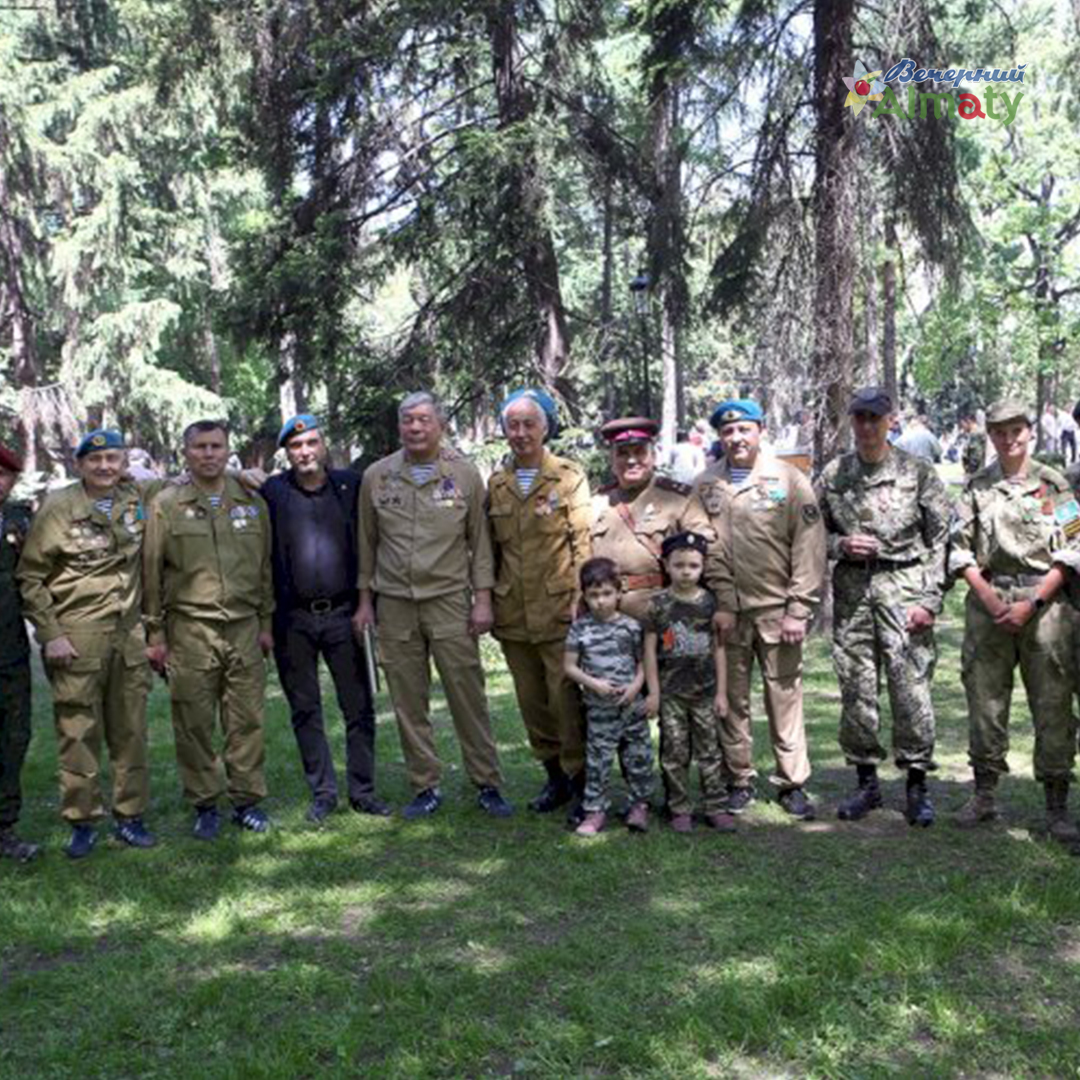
<point>1037,602</point>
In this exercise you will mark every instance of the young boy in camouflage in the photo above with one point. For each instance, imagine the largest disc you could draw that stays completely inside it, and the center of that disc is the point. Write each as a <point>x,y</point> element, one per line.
<point>603,656</point>
<point>684,671</point>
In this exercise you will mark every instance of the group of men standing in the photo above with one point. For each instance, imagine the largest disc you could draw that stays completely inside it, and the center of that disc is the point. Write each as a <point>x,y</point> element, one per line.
<point>202,577</point>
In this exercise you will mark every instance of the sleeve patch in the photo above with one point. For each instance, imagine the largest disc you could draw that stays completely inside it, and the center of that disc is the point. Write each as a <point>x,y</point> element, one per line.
<point>1068,517</point>
<point>811,514</point>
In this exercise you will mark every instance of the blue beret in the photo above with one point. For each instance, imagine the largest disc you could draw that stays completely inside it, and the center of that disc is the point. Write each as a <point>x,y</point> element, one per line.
<point>298,424</point>
<point>102,439</point>
<point>728,412</point>
<point>544,400</point>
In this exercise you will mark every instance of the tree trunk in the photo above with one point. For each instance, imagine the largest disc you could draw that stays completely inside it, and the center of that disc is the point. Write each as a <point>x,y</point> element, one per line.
<point>834,246</point>
<point>291,396</point>
<point>888,300</point>
<point>541,264</point>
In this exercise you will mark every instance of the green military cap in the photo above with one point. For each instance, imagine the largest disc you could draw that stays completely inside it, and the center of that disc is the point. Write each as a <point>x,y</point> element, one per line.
<point>1001,412</point>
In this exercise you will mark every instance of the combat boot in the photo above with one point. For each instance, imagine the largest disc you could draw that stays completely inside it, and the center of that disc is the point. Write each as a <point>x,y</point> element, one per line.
<point>981,807</point>
<point>866,797</point>
<point>920,810</point>
<point>576,814</point>
<point>12,847</point>
<point>1058,824</point>
<point>556,792</point>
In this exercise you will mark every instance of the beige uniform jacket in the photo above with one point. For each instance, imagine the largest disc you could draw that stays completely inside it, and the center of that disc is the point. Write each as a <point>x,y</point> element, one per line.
<point>770,548</point>
<point>632,536</point>
<point>541,540</point>
<point>420,541</point>
<point>1013,528</point>
<point>207,565</point>
<point>78,566</point>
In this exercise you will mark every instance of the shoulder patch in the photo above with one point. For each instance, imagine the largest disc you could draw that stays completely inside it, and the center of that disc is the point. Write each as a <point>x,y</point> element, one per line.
<point>811,514</point>
<point>1067,515</point>
<point>666,483</point>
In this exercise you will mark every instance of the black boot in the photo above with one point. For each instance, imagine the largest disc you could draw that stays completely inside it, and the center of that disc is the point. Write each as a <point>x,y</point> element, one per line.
<point>866,797</point>
<point>576,814</point>
<point>556,792</point>
<point>920,810</point>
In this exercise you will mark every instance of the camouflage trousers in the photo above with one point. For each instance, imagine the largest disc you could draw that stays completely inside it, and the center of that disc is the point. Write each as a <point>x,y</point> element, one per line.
<point>870,639</point>
<point>622,730</point>
<point>1044,651</point>
<point>690,731</point>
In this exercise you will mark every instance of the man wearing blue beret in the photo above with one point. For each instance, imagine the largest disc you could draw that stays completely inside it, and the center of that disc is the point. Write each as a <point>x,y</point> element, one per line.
<point>767,571</point>
<point>81,579</point>
<point>313,513</point>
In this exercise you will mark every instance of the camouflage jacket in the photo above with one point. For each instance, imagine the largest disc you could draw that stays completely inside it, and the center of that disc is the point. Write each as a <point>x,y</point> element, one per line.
<point>902,502</point>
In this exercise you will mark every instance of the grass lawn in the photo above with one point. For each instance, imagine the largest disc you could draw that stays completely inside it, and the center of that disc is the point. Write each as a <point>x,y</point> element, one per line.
<point>463,946</point>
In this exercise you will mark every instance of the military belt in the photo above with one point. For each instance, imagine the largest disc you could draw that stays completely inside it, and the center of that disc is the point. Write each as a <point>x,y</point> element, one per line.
<point>1014,581</point>
<point>642,581</point>
<point>323,606</point>
<point>876,566</point>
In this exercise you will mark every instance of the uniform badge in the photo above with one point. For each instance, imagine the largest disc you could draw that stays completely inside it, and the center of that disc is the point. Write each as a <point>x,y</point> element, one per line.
<point>811,514</point>
<point>1068,517</point>
<point>190,512</point>
<point>447,491</point>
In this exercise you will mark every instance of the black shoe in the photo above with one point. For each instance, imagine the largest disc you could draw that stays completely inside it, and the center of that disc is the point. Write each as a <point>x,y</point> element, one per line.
<point>251,818</point>
<point>424,803</point>
<point>739,798</point>
<point>320,810</point>
<point>919,810</point>
<point>856,806</point>
<point>795,802</point>
<point>11,847</point>
<point>207,823</point>
<point>370,804</point>
<point>83,839</point>
<point>491,802</point>
<point>555,793</point>
<point>134,833</point>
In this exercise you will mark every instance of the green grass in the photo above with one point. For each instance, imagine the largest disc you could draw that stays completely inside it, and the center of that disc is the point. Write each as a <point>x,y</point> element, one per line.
<point>463,946</point>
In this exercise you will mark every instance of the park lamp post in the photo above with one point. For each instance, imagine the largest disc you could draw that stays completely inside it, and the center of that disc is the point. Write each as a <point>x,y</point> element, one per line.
<point>639,292</point>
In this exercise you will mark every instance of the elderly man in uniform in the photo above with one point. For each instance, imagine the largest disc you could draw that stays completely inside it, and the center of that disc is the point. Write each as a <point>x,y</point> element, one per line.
<point>633,516</point>
<point>540,513</point>
<point>1014,516</point>
<point>14,664</point>
<point>767,570</point>
<point>209,601</point>
<point>887,523</point>
<point>313,514</point>
<point>81,581</point>
<point>425,553</point>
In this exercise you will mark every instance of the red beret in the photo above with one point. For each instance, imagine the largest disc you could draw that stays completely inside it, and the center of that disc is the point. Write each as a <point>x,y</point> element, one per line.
<point>9,461</point>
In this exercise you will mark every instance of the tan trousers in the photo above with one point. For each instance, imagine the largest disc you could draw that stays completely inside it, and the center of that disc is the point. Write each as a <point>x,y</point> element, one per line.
<point>758,635</point>
<point>548,702</point>
<point>216,670</point>
<point>102,695</point>
<point>411,634</point>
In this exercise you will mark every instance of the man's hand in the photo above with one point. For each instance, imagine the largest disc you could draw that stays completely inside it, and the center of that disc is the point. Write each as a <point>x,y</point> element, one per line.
<point>60,652</point>
<point>158,655</point>
<point>251,479</point>
<point>792,630</point>
<point>719,705</point>
<point>994,606</point>
<point>364,617</point>
<point>860,546</point>
<point>918,619</point>
<point>481,617</point>
<point>266,642</point>
<point>724,624</point>
<point>1014,617</point>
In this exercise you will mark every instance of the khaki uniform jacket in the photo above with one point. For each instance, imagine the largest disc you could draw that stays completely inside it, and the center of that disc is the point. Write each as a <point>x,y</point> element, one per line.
<point>541,541</point>
<point>1013,528</point>
<point>664,507</point>
<point>902,502</point>
<point>206,565</point>
<point>79,567</point>
<point>770,547</point>
<point>420,541</point>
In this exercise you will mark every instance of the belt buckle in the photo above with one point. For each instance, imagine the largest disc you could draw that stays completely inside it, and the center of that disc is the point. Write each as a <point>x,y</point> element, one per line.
<point>321,607</point>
